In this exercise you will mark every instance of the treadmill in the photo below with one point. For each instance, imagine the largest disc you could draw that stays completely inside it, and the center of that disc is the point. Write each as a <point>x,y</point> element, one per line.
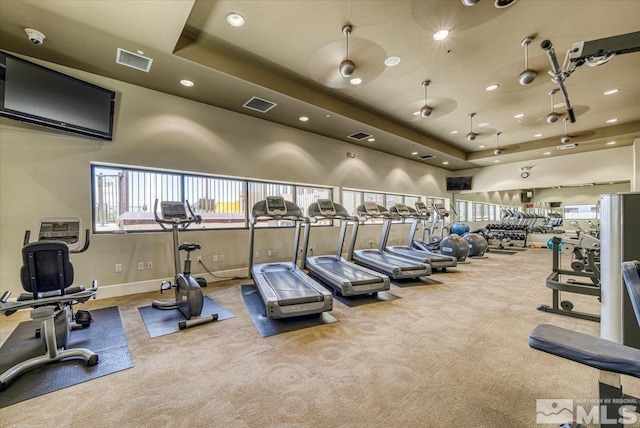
<point>435,260</point>
<point>377,259</point>
<point>347,278</point>
<point>285,289</point>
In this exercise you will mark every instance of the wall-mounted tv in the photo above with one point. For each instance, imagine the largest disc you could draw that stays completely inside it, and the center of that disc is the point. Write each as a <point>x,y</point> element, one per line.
<point>35,94</point>
<point>458,183</point>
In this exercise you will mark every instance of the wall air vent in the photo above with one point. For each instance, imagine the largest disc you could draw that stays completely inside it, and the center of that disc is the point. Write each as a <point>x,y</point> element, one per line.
<point>133,60</point>
<point>258,104</point>
<point>425,157</point>
<point>360,136</point>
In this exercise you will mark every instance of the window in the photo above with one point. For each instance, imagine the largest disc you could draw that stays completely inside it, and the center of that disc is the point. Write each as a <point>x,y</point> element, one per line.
<point>351,199</point>
<point>465,211</point>
<point>580,212</point>
<point>123,198</point>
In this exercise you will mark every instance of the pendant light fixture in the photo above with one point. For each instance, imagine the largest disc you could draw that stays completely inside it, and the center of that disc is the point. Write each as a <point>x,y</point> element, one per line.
<point>426,110</point>
<point>553,116</point>
<point>528,74</point>
<point>471,135</point>
<point>347,67</point>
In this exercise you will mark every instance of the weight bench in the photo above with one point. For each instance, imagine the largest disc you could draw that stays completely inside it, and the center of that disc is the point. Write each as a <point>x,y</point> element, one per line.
<point>613,359</point>
<point>47,275</point>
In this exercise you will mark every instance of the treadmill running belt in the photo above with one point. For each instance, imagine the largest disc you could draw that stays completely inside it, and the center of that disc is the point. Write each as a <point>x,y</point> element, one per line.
<point>393,261</point>
<point>290,288</point>
<point>356,276</point>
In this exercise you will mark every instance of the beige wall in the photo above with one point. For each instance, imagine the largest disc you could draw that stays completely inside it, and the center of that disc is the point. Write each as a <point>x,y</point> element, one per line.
<point>590,167</point>
<point>45,173</point>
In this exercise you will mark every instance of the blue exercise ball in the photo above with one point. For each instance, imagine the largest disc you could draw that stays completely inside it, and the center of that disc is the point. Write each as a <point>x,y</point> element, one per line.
<point>459,228</point>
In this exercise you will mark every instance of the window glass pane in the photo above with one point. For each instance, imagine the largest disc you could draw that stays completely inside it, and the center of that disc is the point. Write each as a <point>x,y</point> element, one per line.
<point>351,199</point>
<point>219,201</point>
<point>123,199</point>
<point>306,195</point>
<point>259,191</point>
<point>410,201</point>
<point>577,212</point>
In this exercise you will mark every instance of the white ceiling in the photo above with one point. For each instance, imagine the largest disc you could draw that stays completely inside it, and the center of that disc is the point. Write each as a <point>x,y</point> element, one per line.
<point>289,51</point>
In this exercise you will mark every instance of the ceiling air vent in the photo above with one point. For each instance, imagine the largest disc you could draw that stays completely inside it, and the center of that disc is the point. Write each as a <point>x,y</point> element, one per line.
<point>360,136</point>
<point>258,104</point>
<point>133,60</point>
<point>425,157</point>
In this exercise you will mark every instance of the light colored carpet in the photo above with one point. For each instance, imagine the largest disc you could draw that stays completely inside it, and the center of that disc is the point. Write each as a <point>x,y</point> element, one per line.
<point>446,355</point>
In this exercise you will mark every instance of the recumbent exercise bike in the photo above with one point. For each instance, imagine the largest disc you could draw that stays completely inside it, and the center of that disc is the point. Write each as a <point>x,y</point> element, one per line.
<point>47,278</point>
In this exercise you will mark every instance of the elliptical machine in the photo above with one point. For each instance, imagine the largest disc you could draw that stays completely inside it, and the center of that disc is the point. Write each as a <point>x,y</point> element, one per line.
<point>189,299</point>
<point>451,245</point>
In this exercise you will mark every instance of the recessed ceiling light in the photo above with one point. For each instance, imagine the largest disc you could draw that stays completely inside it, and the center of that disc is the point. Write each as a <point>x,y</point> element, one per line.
<point>355,81</point>
<point>392,61</point>
<point>303,118</point>
<point>496,161</point>
<point>328,115</point>
<point>483,124</point>
<point>455,132</point>
<point>492,87</point>
<point>371,140</point>
<point>615,119</point>
<point>441,35</point>
<point>611,91</point>
<point>482,146</point>
<point>416,113</point>
<point>546,153</point>
<point>140,52</point>
<point>445,163</point>
<point>414,153</point>
<point>186,82</point>
<point>519,115</point>
<point>235,19</point>
<point>611,143</point>
<point>537,135</point>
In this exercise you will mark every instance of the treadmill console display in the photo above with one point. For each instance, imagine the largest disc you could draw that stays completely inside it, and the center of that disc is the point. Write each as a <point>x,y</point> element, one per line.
<point>403,209</point>
<point>173,210</point>
<point>61,229</point>
<point>421,208</point>
<point>440,208</point>
<point>276,205</point>
<point>326,207</point>
<point>371,208</point>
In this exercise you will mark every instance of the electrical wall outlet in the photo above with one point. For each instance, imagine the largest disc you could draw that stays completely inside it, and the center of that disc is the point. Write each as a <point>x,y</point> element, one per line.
<point>274,252</point>
<point>149,265</point>
<point>215,258</point>
<point>118,267</point>
<point>221,258</point>
<point>256,255</point>
<point>140,265</point>
<point>269,253</point>
<point>199,258</point>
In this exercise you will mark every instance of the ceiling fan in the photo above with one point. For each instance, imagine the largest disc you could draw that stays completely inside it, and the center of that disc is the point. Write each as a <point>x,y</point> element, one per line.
<point>498,150</point>
<point>347,67</point>
<point>472,135</point>
<point>553,116</point>
<point>426,110</point>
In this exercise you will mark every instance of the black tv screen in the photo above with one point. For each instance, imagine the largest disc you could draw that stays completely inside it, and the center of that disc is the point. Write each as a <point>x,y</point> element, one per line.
<point>458,183</point>
<point>38,95</point>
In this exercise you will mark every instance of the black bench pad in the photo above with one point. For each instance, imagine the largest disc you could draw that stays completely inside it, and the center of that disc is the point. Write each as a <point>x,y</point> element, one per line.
<point>585,349</point>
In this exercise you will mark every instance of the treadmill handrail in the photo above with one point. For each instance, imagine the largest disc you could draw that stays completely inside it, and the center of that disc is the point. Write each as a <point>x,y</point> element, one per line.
<point>295,218</point>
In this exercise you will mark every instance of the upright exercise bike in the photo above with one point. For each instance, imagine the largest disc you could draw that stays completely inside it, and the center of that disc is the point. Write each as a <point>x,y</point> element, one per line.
<point>189,299</point>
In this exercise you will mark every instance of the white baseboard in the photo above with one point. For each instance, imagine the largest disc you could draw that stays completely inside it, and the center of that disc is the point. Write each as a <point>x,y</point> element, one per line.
<point>117,290</point>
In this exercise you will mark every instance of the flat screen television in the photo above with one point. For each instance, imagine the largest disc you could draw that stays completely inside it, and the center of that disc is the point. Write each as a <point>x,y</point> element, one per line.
<point>458,183</point>
<point>35,94</point>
